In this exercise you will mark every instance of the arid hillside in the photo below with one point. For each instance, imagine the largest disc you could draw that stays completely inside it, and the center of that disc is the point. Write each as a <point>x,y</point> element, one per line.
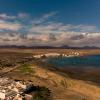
<point>62,87</point>
<point>61,51</point>
<point>19,65</point>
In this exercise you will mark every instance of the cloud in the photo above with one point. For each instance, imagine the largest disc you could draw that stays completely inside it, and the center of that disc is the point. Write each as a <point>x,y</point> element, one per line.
<point>13,17</point>
<point>60,27</point>
<point>5,25</point>
<point>80,39</point>
<point>5,16</point>
<point>23,15</point>
<point>43,31</point>
<point>48,28</point>
<point>77,37</point>
<point>44,18</point>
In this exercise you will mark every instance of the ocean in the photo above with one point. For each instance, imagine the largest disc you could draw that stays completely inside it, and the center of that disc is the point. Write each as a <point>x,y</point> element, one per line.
<point>81,61</point>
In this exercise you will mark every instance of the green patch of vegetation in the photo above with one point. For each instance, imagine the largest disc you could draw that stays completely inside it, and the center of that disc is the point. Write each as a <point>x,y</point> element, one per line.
<point>38,92</point>
<point>25,68</point>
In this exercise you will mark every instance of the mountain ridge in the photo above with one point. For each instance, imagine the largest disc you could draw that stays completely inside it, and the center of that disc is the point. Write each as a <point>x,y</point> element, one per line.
<point>49,47</point>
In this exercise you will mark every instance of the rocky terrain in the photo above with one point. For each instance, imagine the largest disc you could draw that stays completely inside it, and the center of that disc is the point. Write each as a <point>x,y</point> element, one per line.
<point>62,87</point>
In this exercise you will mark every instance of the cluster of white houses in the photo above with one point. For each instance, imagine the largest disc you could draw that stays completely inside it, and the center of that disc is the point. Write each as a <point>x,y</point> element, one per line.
<point>12,90</point>
<point>57,55</point>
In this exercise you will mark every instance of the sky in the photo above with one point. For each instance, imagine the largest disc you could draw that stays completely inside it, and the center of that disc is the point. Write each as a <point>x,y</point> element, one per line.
<point>50,22</point>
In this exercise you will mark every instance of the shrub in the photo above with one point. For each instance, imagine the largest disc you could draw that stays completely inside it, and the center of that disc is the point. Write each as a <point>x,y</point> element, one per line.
<point>42,93</point>
<point>25,68</point>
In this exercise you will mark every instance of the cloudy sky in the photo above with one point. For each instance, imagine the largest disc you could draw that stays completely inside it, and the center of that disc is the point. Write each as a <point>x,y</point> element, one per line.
<point>50,22</point>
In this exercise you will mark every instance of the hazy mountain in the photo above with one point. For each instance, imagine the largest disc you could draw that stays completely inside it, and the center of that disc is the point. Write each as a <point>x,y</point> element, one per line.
<point>49,47</point>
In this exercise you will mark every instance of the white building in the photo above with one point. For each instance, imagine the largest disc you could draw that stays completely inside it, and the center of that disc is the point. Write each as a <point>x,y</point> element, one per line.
<point>52,54</point>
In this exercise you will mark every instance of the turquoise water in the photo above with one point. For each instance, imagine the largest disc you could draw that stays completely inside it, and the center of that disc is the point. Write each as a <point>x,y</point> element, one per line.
<point>83,61</point>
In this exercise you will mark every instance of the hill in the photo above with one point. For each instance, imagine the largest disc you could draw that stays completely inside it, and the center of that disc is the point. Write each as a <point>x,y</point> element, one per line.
<point>62,87</point>
<point>19,65</point>
<point>48,47</point>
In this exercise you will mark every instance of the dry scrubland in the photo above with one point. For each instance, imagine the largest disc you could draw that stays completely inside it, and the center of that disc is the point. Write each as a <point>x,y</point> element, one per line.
<point>61,86</point>
<point>43,51</point>
<point>15,66</point>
